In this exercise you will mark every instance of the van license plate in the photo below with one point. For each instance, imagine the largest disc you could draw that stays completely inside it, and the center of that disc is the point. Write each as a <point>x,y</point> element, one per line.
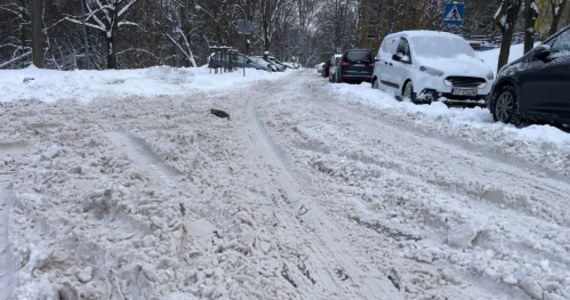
<point>464,92</point>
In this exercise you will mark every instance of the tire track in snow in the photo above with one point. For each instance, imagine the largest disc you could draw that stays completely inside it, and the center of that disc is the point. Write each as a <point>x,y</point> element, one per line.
<point>327,264</point>
<point>136,149</point>
<point>444,169</point>
<point>212,232</point>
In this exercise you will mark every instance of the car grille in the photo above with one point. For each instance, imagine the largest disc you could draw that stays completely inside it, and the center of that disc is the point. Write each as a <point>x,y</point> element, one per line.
<point>465,82</point>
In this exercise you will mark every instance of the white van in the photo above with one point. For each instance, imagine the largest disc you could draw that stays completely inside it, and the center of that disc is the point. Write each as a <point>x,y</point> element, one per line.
<point>425,66</point>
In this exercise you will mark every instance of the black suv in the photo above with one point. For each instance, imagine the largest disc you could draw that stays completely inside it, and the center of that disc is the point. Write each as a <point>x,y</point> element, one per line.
<point>356,65</point>
<point>536,87</point>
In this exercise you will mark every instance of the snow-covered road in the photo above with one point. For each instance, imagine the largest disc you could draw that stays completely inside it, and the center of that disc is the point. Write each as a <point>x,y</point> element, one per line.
<point>301,194</point>
<point>8,261</point>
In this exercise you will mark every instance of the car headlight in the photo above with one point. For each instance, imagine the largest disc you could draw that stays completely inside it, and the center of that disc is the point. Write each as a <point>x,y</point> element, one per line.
<point>490,75</point>
<point>431,71</point>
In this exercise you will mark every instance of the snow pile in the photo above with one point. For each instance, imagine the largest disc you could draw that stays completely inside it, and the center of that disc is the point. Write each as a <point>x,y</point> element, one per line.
<point>121,184</point>
<point>85,86</point>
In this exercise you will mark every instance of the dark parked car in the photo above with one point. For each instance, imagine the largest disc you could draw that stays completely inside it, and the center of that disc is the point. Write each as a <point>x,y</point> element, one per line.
<point>325,68</point>
<point>536,87</point>
<point>356,65</point>
<point>335,60</point>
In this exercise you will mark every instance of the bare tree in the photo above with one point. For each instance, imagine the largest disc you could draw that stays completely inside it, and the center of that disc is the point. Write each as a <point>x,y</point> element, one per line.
<point>107,17</point>
<point>14,51</point>
<point>271,11</point>
<point>506,18</point>
<point>556,7</point>
<point>179,34</point>
<point>307,10</point>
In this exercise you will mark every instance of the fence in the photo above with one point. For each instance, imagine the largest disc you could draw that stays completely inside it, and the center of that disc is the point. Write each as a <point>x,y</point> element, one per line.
<point>222,59</point>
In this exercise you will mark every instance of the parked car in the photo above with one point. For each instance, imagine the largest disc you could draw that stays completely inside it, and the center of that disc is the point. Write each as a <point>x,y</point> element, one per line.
<point>319,67</point>
<point>331,71</point>
<point>277,63</point>
<point>482,45</point>
<point>327,67</point>
<point>236,60</point>
<point>426,66</point>
<point>536,87</point>
<point>270,66</point>
<point>260,61</point>
<point>355,65</point>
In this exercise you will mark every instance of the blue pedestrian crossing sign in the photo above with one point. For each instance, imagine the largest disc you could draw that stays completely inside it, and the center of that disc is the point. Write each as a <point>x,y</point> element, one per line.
<point>453,13</point>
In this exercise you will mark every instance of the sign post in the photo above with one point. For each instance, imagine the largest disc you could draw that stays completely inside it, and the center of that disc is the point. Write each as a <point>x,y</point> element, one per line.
<point>244,28</point>
<point>454,13</point>
<point>370,36</point>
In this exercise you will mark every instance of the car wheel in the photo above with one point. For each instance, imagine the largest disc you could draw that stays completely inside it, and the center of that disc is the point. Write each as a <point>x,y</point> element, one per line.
<point>375,84</point>
<point>338,78</point>
<point>506,108</point>
<point>408,92</point>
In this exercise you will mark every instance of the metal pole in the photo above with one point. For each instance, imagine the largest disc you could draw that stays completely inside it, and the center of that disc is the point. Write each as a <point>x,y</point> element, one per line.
<point>85,37</point>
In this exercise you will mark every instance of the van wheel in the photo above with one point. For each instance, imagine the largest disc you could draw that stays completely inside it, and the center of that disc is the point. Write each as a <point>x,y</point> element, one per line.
<point>375,84</point>
<point>408,92</point>
<point>506,109</point>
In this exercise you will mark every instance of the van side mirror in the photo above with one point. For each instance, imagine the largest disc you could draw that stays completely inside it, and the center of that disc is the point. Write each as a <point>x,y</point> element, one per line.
<point>542,51</point>
<point>402,58</point>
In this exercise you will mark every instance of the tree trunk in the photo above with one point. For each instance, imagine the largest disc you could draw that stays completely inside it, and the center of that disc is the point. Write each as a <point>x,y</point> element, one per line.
<point>37,35</point>
<point>531,13</point>
<point>557,10</point>
<point>505,19</point>
<point>111,42</point>
<point>266,38</point>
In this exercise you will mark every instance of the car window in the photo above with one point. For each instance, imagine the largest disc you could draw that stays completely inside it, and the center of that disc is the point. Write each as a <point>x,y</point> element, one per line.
<point>404,50</point>
<point>241,59</point>
<point>358,56</point>
<point>562,42</point>
<point>257,60</point>
<point>335,59</point>
<point>389,46</point>
<point>275,60</point>
<point>403,47</point>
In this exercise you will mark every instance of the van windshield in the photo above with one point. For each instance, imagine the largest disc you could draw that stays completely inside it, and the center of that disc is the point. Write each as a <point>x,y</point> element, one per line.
<point>441,47</point>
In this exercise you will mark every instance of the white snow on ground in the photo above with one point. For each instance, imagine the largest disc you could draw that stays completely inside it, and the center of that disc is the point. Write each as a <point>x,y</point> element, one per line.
<point>121,185</point>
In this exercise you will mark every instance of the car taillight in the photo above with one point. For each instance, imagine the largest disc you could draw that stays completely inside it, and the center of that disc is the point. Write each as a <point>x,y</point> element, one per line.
<point>345,63</point>
<point>371,65</point>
